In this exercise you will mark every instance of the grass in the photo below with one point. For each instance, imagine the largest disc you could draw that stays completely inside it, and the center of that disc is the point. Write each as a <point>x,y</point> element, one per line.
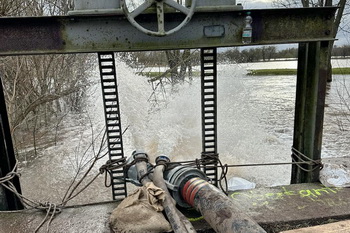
<point>157,74</point>
<point>265,72</point>
<point>262,72</point>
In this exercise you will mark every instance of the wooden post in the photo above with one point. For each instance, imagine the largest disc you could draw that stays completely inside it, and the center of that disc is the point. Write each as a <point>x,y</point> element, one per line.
<point>309,109</point>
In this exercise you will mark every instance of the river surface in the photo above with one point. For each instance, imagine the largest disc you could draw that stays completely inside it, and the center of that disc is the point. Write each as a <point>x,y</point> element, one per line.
<point>255,125</point>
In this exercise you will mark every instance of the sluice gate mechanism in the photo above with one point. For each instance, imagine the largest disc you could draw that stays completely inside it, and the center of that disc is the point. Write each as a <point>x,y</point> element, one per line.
<point>109,26</point>
<point>112,119</point>
<point>209,111</point>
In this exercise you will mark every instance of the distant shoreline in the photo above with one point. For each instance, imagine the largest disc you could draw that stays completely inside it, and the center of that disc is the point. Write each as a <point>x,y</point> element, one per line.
<point>265,72</point>
<point>296,59</point>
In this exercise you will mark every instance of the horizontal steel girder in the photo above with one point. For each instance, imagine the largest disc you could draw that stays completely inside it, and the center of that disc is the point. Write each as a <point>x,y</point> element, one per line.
<point>113,32</point>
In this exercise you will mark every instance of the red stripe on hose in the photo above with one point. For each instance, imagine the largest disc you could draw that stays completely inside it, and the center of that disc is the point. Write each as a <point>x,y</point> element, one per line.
<point>187,186</point>
<point>195,191</point>
<point>191,188</point>
<point>184,190</point>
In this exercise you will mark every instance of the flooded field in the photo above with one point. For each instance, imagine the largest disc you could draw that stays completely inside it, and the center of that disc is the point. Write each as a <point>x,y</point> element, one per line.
<point>255,125</point>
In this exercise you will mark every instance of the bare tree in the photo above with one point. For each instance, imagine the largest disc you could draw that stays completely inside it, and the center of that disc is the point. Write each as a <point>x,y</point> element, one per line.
<point>41,89</point>
<point>341,4</point>
<point>179,63</point>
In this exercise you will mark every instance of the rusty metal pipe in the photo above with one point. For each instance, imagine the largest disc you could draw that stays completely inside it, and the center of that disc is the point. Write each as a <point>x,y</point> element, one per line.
<point>217,209</point>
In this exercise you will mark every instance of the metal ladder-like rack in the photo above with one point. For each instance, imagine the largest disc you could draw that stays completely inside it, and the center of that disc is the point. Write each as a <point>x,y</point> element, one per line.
<point>112,117</point>
<point>209,110</point>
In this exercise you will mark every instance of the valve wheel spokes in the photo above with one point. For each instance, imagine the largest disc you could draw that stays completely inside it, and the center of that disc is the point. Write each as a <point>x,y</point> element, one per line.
<point>188,12</point>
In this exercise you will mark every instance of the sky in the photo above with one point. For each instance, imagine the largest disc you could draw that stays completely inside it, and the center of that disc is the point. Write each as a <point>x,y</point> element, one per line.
<point>251,4</point>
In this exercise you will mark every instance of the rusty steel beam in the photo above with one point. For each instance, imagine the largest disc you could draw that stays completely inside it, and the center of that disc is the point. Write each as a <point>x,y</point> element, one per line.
<point>112,32</point>
<point>309,109</point>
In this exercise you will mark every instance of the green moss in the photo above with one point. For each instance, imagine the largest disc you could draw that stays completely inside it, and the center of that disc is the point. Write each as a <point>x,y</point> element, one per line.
<point>266,72</point>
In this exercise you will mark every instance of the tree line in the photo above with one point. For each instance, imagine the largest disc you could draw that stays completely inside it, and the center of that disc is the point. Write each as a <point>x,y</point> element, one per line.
<point>231,55</point>
<point>268,53</point>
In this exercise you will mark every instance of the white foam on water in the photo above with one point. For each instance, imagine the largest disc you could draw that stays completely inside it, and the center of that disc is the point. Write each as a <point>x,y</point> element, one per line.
<point>175,128</point>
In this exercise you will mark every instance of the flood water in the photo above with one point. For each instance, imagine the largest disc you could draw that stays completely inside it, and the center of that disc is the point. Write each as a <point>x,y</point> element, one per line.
<point>255,125</point>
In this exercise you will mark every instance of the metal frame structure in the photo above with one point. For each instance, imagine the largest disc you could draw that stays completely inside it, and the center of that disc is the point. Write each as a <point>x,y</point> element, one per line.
<point>8,200</point>
<point>209,112</point>
<point>112,119</point>
<point>210,27</point>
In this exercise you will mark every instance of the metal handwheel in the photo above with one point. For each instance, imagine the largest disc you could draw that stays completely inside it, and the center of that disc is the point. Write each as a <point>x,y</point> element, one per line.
<point>160,15</point>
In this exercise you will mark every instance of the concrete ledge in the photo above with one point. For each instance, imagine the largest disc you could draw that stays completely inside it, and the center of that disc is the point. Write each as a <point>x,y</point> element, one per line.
<point>276,209</point>
<point>294,206</point>
<point>89,218</point>
<point>291,203</point>
<point>339,227</point>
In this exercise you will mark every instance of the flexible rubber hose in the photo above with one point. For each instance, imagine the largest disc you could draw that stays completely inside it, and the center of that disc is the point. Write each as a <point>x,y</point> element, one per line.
<point>141,168</point>
<point>178,221</point>
<point>217,209</point>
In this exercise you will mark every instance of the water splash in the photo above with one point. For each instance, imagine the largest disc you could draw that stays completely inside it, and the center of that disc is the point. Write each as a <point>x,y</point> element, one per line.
<point>175,129</point>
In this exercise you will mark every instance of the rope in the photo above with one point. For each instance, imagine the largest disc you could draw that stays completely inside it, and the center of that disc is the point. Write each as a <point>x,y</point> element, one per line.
<point>207,161</point>
<point>51,209</point>
<point>305,160</point>
<point>213,161</point>
<point>109,166</point>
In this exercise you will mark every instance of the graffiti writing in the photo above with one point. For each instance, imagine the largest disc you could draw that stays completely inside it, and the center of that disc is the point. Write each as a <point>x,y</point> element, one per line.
<point>322,195</point>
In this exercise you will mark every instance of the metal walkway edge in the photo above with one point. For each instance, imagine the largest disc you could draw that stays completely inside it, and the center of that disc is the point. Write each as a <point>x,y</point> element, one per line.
<point>112,117</point>
<point>209,109</point>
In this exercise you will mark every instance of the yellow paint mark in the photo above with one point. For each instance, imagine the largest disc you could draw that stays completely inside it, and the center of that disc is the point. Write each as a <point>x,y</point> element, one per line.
<point>302,207</point>
<point>196,219</point>
<point>306,193</point>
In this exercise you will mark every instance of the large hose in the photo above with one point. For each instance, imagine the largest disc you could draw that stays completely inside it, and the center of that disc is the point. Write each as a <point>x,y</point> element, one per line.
<point>141,167</point>
<point>217,209</point>
<point>177,220</point>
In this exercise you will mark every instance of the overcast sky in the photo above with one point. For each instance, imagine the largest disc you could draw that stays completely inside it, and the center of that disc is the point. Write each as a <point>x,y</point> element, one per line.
<point>251,4</point>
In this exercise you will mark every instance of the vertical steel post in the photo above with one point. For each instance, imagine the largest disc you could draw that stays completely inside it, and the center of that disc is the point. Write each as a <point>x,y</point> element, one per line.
<point>8,200</point>
<point>309,109</point>
<point>324,70</point>
<point>300,107</point>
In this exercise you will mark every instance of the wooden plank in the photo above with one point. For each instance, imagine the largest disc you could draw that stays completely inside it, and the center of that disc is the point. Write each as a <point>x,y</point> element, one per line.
<point>337,227</point>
